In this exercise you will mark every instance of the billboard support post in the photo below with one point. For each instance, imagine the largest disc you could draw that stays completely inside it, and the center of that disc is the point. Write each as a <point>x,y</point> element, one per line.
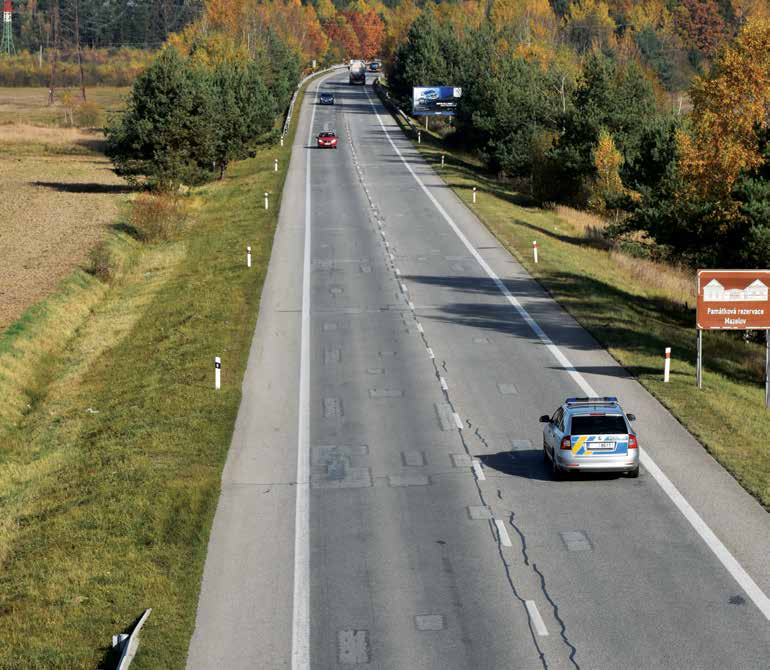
<point>699,365</point>
<point>426,122</point>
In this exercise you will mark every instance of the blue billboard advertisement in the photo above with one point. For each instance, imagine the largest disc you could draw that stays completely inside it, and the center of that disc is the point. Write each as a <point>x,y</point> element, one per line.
<point>435,100</point>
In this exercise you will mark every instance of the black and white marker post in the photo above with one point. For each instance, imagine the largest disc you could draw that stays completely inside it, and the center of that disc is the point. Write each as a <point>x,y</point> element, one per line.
<point>275,165</point>
<point>474,195</point>
<point>667,365</point>
<point>217,373</point>
<point>265,199</point>
<point>248,257</point>
<point>534,250</point>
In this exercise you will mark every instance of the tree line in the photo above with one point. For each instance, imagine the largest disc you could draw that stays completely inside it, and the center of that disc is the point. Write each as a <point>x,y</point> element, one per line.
<point>199,106</point>
<point>592,129</point>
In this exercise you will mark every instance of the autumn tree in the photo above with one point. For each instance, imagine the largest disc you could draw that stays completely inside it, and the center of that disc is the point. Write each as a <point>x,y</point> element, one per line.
<point>608,185</point>
<point>528,20</point>
<point>729,107</point>
<point>701,26</point>
<point>342,36</point>
<point>588,25</point>
<point>370,31</point>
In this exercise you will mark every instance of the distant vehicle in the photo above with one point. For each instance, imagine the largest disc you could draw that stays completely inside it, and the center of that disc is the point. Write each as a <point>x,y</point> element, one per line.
<point>326,99</point>
<point>590,434</point>
<point>327,140</point>
<point>374,66</point>
<point>357,72</point>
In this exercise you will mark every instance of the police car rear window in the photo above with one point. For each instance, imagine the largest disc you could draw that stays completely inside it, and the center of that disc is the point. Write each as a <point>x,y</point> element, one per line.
<point>598,425</point>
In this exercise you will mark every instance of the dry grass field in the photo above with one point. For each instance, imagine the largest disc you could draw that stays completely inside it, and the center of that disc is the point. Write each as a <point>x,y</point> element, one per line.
<point>59,198</point>
<point>30,105</point>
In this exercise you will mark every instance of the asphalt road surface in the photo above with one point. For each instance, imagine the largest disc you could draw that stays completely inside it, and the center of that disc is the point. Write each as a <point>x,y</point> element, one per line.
<point>385,502</point>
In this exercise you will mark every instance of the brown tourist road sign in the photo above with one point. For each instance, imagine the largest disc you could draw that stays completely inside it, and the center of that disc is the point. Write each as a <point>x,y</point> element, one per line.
<point>733,300</point>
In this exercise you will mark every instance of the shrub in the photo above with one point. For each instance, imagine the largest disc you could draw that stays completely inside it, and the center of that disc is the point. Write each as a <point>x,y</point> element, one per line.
<point>156,218</point>
<point>100,262</point>
<point>89,115</point>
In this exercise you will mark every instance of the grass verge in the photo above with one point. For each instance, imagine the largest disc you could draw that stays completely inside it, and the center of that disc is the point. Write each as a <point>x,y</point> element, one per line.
<point>110,478</point>
<point>635,308</point>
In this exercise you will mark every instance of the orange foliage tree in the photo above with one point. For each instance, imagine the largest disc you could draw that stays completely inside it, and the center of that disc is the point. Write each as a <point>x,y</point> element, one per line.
<point>700,25</point>
<point>728,108</point>
<point>370,30</point>
<point>342,36</point>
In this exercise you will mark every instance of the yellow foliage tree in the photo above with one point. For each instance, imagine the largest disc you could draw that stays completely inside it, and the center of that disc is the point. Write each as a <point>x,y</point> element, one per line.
<point>531,20</point>
<point>589,25</point>
<point>728,107</point>
<point>607,161</point>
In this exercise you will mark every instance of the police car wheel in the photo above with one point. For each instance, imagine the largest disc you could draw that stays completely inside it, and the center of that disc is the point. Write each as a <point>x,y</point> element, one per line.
<point>558,473</point>
<point>633,474</point>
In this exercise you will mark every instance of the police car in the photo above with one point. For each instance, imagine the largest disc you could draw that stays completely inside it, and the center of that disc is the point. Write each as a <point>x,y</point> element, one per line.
<point>590,434</point>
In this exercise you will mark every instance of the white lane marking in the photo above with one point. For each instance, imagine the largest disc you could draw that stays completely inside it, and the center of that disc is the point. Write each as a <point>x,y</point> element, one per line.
<point>537,620</point>
<point>300,631</point>
<point>503,533</point>
<point>404,288</point>
<point>392,257</point>
<point>737,571</point>
<point>431,355</point>
<point>398,272</point>
<point>411,305</point>
<point>478,470</point>
<point>443,383</point>
<point>420,329</point>
<point>458,422</point>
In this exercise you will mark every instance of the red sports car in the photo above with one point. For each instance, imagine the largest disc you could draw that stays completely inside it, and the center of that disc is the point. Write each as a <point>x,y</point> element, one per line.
<point>327,140</point>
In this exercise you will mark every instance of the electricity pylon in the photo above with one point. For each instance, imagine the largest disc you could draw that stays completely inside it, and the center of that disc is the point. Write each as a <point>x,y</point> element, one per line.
<point>6,46</point>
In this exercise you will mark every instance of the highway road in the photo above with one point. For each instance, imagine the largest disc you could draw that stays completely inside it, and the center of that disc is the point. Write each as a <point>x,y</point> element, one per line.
<point>385,503</point>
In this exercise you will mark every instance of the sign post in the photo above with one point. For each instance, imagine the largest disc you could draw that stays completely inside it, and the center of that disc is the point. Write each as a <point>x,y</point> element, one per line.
<point>733,300</point>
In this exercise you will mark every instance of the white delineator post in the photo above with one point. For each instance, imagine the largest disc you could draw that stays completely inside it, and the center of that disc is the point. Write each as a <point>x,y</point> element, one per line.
<point>534,250</point>
<point>248,257</point>
<point>442,160</point>
<point>281,140</point>
<point>275,165</point>
<point>667,365</point>
<point>265,200</point>
<point>419,137</point>
<point>474,195</point>
<point>217,372</point>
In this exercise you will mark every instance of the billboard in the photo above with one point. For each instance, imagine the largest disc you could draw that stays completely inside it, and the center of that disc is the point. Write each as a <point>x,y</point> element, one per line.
<point>435,100</point>
<point>733,300</point>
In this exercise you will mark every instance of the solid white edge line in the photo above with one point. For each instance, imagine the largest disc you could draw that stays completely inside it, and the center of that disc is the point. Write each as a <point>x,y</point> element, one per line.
<point>537,620</point>
<point>300,632</point>
<point>730,563</point>
<point>503,533</point>
<point>430,353</point>
<point>420,328</point>
<point>478,470</point>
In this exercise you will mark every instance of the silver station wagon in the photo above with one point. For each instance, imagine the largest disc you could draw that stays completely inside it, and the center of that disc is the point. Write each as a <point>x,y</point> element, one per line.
<point>590,434</point>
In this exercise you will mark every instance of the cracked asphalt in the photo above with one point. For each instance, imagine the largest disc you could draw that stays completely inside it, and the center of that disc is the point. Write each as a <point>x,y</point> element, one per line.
<point>436,535</point>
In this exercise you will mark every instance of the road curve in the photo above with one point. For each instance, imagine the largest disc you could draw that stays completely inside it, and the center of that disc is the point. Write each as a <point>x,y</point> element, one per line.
<point>397,377</point>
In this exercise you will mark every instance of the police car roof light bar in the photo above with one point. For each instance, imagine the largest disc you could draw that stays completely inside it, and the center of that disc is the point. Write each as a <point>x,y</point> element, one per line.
<point>608,398</point>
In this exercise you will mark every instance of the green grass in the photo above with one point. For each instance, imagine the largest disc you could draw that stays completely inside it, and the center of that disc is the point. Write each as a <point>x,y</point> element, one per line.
<point>110,477</point>
<point>635,309</point>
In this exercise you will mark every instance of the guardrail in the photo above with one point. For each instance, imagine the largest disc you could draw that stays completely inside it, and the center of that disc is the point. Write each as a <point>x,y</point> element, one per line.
<point>384,95</point>
<point>129,644</point>
<point>287,122</point>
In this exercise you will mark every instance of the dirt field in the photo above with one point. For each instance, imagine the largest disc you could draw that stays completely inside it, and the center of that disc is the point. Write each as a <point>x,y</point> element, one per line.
<point>59,197</point>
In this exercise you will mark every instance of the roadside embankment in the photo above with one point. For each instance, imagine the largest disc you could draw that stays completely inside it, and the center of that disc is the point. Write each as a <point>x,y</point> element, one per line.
<point>110,469</point>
